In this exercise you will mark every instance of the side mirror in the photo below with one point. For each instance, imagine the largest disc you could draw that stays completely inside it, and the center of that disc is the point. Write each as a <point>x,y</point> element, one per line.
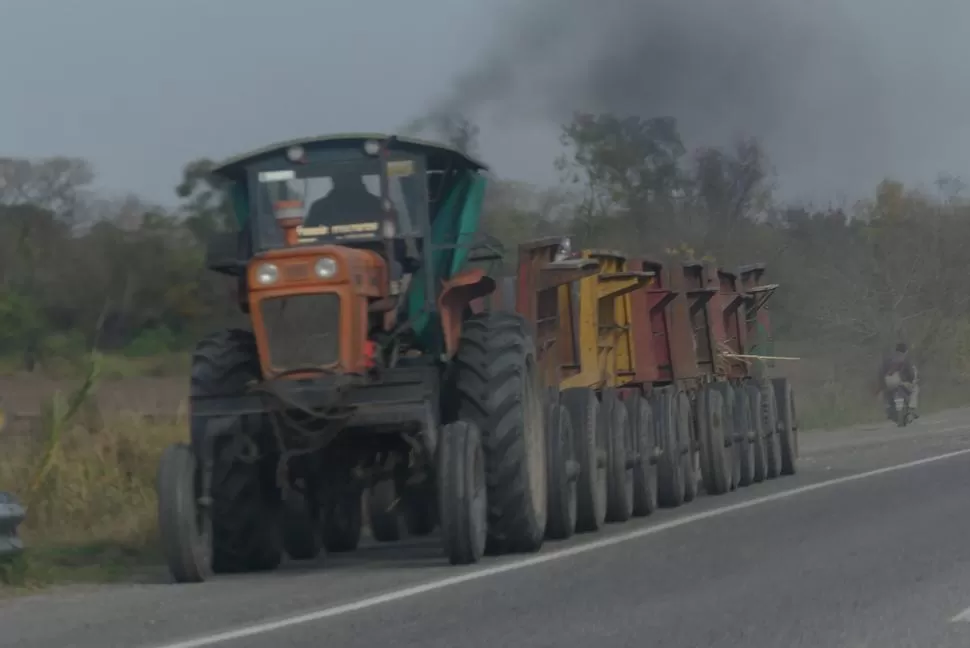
<point>222,254</point>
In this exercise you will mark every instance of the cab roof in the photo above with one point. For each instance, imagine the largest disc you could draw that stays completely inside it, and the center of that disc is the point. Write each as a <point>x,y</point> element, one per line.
<point>439,155</point>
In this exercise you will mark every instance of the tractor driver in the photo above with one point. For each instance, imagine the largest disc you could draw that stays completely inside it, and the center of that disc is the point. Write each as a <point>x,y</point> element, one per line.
<point>347,202</point>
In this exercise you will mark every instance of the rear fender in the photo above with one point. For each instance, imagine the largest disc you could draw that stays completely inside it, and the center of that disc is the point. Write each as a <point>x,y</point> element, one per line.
<point>456,294</point>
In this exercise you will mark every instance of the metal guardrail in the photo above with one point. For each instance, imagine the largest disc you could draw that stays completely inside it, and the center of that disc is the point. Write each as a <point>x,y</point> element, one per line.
<point>12,513</point>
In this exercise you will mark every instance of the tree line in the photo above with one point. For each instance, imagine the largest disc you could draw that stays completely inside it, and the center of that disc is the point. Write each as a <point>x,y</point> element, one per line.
<point>82,271</point>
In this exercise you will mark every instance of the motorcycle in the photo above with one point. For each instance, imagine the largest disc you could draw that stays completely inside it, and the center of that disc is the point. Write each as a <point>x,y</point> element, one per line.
<point>903,414</point>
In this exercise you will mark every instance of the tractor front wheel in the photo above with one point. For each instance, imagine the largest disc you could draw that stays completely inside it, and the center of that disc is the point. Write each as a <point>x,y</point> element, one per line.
<point>462,492</point>
<point>244,507</point>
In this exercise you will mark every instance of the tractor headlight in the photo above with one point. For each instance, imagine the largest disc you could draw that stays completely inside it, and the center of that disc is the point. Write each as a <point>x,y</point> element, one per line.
<point>267,274</point>
<point>325,268</point>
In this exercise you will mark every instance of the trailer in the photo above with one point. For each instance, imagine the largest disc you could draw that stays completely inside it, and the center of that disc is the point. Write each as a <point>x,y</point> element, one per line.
<point>660,376</point>
<point>699,331</point>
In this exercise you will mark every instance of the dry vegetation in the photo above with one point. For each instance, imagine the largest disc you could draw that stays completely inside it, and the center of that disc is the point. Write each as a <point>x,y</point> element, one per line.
<point>855,279</point>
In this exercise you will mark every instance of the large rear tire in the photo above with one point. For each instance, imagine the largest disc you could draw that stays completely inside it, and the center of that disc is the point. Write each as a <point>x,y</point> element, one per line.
<point>645,462</point>
<point>788,425</point>
<point>563,472</point>
<point>462,492</point>
<point>619,500</point>
<point>589,441</point>
<point>498,391</point>
<point>246,534</point>
<point>716,460</point>
<point>185,536</point>
<point>672,462</point>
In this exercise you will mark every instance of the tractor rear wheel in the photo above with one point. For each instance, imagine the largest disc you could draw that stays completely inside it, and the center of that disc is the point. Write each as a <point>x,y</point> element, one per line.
<point>589,441</point>
<point>619,473</point>
<point>563,471</point>
<point>715,456</point>
<point>645,466</point>
<point>788,424</point>
<point>462,492</point>
<point>245,510</point>
<point>498,391</point>
<point>672,463</point>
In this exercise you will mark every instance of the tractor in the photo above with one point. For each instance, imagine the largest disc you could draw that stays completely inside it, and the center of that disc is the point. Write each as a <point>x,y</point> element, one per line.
<point>366,378</point>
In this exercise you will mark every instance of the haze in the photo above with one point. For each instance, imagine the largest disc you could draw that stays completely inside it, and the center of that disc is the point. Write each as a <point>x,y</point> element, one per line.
<point>841,92</point>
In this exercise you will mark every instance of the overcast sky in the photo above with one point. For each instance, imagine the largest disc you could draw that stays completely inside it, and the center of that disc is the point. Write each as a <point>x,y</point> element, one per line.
<point>841,91</point>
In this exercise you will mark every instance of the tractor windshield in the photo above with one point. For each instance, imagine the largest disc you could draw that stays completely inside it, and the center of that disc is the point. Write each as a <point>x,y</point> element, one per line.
<point>341,201</point>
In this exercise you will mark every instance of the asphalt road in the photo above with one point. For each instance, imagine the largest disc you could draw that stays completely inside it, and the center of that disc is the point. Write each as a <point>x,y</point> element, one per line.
<point>867,547</point>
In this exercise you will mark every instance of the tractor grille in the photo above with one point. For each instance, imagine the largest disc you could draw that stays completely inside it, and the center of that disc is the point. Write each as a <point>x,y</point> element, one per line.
<point>302,331</point>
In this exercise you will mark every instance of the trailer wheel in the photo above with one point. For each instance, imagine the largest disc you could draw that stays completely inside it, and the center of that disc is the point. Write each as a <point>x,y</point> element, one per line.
<point>645,461</point>
<point>342,522</point>
<point>185,536</point>
<point>462,493</point>
<point>672,462</point>
<point>498,391</point>
<point>382,511</point>
<point>589,438</point>
<point>301,527</point>
<point>788,425</point>
<point>731,432</point>
<point>743,436</point>
<point>687,431</point>
<point>715,456</point>
<point>616,420</point>
<point>758,443</point>
<point>244,512</point>
<point>563,471</point>
<point>769,424</point>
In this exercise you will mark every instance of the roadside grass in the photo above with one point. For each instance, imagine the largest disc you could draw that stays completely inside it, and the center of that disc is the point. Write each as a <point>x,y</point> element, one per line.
<point>89,482</point>
<point>89,492</point>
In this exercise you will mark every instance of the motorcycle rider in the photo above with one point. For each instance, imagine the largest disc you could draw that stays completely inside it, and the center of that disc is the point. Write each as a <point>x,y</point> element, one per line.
<point>897,370</point>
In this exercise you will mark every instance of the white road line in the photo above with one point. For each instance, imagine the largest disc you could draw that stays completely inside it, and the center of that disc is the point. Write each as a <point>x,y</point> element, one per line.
<point>963,617</point>
<point>559,554</point>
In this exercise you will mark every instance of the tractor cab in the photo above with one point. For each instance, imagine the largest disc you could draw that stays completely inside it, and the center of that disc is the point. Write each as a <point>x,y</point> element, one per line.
<point>345,239</point>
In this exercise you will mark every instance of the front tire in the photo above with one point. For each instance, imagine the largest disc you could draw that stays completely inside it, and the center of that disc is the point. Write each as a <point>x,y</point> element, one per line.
<point>462,492</point>
<point>245,506</point>
<point>498,392</point>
